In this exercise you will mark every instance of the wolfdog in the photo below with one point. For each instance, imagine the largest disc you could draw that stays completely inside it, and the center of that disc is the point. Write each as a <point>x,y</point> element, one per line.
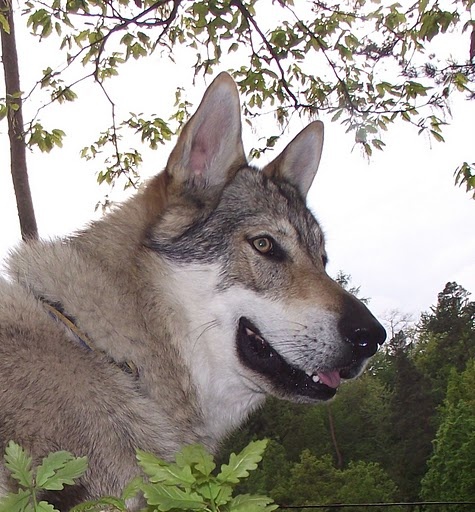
<point>170,319</point>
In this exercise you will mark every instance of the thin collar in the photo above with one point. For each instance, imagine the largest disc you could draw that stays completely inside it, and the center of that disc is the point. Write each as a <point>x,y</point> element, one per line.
<point>56,311</point>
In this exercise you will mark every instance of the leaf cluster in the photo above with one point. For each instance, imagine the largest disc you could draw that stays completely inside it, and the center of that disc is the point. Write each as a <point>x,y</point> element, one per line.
<point>190,483</point>
<point>52,474</point>
<point>368,64</point>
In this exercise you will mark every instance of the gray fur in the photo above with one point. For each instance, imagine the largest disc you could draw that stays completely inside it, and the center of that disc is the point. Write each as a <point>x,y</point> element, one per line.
<point>172,282</point>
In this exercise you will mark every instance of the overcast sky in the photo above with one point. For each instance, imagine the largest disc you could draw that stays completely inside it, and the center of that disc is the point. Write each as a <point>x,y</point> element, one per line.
<point>397,224</point>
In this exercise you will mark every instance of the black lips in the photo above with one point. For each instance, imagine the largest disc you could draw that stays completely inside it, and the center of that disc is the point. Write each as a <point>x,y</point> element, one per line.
<point>255,353</point>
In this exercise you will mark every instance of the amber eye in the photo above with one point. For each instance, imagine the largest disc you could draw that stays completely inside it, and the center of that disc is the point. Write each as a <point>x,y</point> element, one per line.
<point>263,244</point>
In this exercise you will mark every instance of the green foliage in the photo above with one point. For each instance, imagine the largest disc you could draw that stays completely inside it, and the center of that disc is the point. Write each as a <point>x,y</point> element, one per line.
<point>446,337</point>
<point>190,482</point>
<point>3,111</point>
<point>344,280</point>
<point>4,25</point>
<point>45,140</point>
<point>187,484</point>
<point>451,469</point>
<point>52,474</point>
<point>316,481</point>
<point>412,420</point>
<point>465,175</point>
<point>367,482</point>
<point>153,131</point>
<point>363,407</point>
<point>377,62</point>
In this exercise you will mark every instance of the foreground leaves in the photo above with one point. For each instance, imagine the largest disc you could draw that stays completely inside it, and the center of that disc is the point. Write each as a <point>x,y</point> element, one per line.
<point>190,484</point>
<point>54,472</point>
<point>186,484</point>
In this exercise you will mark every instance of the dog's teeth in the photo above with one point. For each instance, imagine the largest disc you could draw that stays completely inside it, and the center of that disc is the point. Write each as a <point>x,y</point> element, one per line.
<point>316,378</point>
<point>252,334</point>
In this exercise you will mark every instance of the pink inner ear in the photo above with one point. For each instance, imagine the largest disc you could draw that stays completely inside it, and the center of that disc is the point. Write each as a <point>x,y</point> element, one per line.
<point>210,143</point>
<point>198,159</point>
<point>206,143</point>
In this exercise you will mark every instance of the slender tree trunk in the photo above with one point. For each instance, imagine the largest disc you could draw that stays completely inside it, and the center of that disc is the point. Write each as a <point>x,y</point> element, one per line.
<point>331,423</point>
<point>19,171</point>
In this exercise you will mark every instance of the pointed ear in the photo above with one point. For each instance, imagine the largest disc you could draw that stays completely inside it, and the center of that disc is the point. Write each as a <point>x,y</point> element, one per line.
<point>299,161</point>
<point>210,144</point>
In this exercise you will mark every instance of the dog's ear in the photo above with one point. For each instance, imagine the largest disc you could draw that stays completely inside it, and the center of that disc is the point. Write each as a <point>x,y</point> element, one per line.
<point>299,161</point>
<point>210,143</point>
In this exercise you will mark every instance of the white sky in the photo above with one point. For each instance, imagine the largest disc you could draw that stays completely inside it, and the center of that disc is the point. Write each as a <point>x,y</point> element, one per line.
<point>398,224</point>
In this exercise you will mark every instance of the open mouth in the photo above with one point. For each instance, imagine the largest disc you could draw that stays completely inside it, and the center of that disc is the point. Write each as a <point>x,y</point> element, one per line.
<point>257,354</point>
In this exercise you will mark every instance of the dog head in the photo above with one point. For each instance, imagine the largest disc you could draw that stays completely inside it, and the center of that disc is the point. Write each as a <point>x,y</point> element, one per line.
<point>248,262</point>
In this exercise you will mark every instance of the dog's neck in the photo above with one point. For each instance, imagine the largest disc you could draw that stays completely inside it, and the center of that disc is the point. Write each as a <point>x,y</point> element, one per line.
<point>207,336</point>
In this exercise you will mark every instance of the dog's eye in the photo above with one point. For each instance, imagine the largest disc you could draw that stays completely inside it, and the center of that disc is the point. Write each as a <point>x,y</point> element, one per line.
<point>263,244</point>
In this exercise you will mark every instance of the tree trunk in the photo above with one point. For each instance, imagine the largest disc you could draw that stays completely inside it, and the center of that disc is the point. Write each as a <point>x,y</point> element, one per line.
<point>339,458</point>
<point>16,135</point>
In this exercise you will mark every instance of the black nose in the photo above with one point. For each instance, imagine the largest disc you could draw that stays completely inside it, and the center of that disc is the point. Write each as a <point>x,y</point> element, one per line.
<point>366,340</point>
<point>361,329</point>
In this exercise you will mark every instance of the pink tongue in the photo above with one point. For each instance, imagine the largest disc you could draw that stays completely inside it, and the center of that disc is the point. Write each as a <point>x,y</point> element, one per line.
<point>331,379</point>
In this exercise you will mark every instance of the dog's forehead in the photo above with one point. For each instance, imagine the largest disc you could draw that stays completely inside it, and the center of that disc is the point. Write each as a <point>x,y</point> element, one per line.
<point>276,201</point>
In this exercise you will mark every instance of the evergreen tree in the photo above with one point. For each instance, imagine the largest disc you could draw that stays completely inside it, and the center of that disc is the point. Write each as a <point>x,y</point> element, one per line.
<point>412,421</point>
<point>361,415</point>
<point>446,337</point>
<point>451,474</point>
<point>367,483</point>
<point>313,481</point>
<point>316,481</point>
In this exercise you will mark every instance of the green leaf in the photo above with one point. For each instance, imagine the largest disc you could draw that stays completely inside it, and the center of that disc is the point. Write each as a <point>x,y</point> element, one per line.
<point>59,469</point>
<point>367,149</point>
<point>240,465</point>
<point>251,503</point>
<point>50,465</point>
<point>378,144</point>
<point>216,492</point>
<point>437,136</point>
<point>196,456</point>
<point>4,24</point>
<point>361,134</point>
<point>421,5</point>
<point>337,115</point>
<point>101,505</point>
<point>19,464</point>
<point>43,506</point>
<point>160,471</point>
<point>132,488</point>
<point>15,502</point>
<point>168,497</point>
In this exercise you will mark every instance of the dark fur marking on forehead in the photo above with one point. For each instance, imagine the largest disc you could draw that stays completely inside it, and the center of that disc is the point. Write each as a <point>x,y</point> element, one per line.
<point>208,235</point>
<point>309,233</point>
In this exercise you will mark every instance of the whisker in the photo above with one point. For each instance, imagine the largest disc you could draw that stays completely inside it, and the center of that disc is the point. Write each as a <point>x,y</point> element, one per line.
<point>203,328</point>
